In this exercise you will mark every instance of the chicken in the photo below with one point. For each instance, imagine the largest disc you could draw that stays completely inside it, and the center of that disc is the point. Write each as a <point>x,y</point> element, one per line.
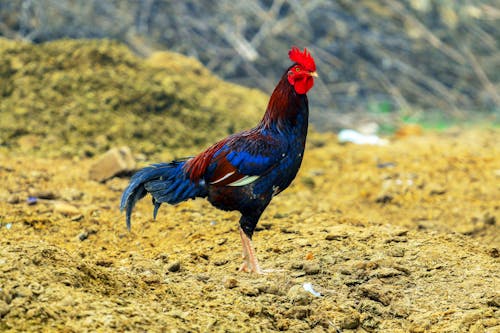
<point>244,171</point>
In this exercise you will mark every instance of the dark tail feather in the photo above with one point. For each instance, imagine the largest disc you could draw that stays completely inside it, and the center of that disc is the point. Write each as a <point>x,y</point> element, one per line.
<point>166,182</point>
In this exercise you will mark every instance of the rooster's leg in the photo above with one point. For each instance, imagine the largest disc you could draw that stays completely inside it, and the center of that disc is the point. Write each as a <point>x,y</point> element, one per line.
<point>250,263</point>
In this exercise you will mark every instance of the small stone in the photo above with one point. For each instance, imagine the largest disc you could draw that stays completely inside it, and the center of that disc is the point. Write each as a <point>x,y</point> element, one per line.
<point>68,301</point>
<point>494,301</point>
<point>222,241</point>
<point>83,236</point>
<point>350,321</point>
<point>311,268</point>
<point>178,314</point>
<point>396,252</point>
<point>230,283</point>
<point>220,262</point>
<point>298,312</point>
<point>298,274</point>
<point>249,290</point>
<point>331,237</point>
<point>377,292</point>
<point>287,230</point>
<point>386,272</point>
<point>71,194</point>
<point>66,209</point>
<point>13,199</point>
<point>436,189</point>
<point>43,194</point>
<point>384,198</point>
<point>36,288</point>
<point>163,257</point>
<point>174,267</point>
<point>489,219</point>
<point>4,308</point>
<point>202,277</point>
<point>77,218</point>
<point>23,292</point>
<point>112,163</point>
<point>298,295</point>
<point>27,142</point>
<point>267,288</point>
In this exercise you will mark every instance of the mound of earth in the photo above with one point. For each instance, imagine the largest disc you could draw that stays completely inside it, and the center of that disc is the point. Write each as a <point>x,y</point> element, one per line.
<point>80,97</point>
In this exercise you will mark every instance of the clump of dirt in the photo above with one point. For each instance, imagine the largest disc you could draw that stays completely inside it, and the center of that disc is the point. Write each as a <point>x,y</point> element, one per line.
<point>80,97</point>
<point>402,237</point>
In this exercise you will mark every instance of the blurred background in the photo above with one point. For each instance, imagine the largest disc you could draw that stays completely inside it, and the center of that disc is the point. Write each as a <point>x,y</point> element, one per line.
<point>402,60</point>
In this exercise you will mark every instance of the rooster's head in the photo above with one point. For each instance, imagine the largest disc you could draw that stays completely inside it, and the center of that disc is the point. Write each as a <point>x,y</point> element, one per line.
<point>301,74</point>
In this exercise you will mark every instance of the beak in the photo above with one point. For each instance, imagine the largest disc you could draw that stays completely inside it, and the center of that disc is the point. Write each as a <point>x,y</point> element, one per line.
<point>313,74</point>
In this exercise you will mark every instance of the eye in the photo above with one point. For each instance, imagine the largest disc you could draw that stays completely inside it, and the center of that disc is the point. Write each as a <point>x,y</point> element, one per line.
<point>297,69</point>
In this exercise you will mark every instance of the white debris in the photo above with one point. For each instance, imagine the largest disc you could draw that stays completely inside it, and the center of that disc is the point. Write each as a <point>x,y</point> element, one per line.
<point>349,135</point>
<point>309,288</point>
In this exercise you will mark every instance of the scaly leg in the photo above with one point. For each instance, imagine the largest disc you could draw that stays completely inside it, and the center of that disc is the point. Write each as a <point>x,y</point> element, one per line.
<point>250,263</point>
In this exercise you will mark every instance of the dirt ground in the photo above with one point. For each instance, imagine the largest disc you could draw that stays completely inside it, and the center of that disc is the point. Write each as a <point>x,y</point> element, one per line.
<point>396,238</point>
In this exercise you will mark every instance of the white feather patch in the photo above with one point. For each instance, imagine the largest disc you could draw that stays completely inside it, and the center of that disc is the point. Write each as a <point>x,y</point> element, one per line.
<point>244,181</point>
<point>222,178</point>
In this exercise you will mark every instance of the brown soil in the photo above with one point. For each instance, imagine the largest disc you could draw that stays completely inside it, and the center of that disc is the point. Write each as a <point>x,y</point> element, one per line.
<point>399,238</point>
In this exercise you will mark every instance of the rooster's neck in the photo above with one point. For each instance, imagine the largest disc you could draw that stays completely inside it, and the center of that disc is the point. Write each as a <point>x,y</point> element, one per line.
<point>286,108</point>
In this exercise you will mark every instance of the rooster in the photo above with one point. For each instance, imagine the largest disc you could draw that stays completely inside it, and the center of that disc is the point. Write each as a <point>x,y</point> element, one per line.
<point>244,171</point>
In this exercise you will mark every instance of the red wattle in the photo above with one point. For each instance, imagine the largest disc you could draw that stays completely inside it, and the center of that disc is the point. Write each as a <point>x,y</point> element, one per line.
<point>303,85</point>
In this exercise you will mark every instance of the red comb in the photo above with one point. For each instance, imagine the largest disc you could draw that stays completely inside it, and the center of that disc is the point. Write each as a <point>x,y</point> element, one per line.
<point>302,58</point>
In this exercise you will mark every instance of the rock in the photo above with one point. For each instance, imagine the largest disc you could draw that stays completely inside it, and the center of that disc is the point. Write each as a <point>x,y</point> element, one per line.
<point>350,321</point>
<point>222,241</point>
<point>396,252</point>
<point>489,219</point>
<point>28,142</point>
<point>163,257</point>
<point>112,163</point>
<point>230,283</point>
<point>384,198</point>
<point>386,272</point>
<point>70,194</point>
<point>249,290</point>
<point>377,292</point>
<point>68,301</point>
<point>174,267</point>
<point>23,292</point>
<point>331,237</point>
<point>311,268</point>
<point>43,194</point>
<point>36,288</point>
<point>493,252</point>
<point>13,199</point>
<point>268,288</point>
<point>494,301</point>
<point>66,209</point>
<point>298,295</point>
<point>220,262</point>
<point>298,312</point>
<point>85,234</point>
<point>4,308</point>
